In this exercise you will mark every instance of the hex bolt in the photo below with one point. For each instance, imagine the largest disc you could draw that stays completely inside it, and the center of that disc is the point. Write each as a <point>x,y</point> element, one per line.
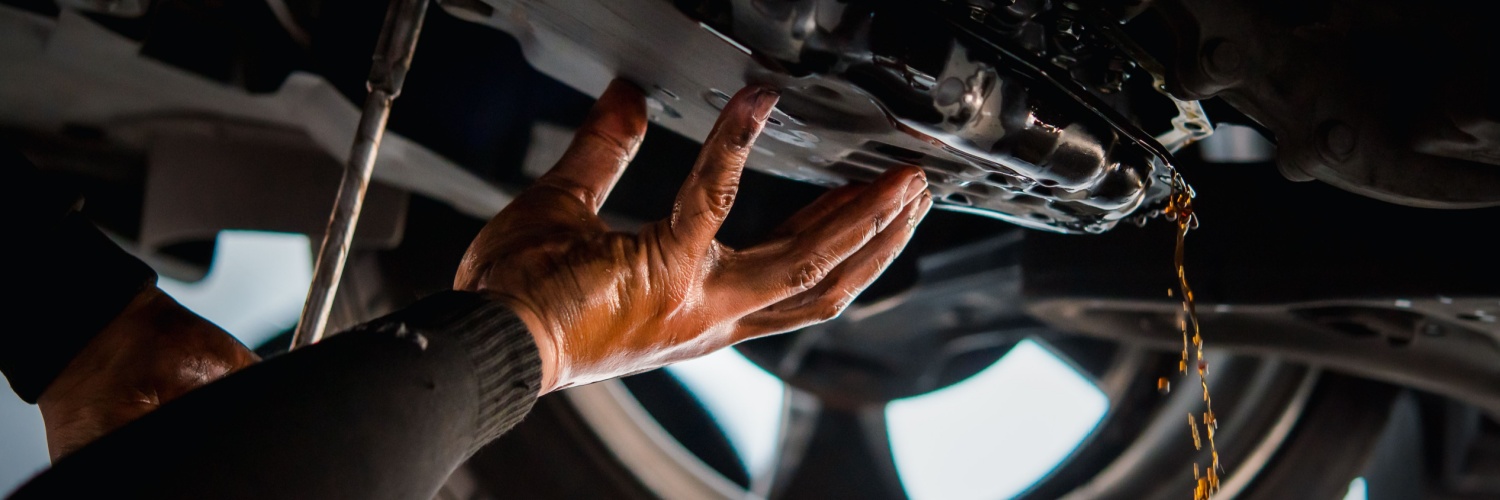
<point>1065,25</point>
<point>1116,73</point>
<point>1067,35</point>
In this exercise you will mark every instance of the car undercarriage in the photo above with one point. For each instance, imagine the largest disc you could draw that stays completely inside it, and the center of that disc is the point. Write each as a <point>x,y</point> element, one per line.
<point>1343,158</point>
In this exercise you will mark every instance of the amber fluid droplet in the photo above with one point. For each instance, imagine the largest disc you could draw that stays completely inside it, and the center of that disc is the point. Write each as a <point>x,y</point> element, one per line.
<point>1197,442</point>
<point>1163,385</point>
<point>1180,211</point>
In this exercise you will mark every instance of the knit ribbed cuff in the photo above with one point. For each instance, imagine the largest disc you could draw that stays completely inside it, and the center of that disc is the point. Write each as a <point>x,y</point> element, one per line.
<point>507,366</point>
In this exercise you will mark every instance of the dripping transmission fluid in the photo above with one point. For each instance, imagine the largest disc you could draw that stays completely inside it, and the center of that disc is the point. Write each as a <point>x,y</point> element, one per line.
<point>1179,210</point>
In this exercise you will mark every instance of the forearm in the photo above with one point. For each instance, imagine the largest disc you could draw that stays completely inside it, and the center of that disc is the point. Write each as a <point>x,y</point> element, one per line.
<point>67,283</point>
<point>385,411</point>
<point>72,281</point>
<point>153,352</point>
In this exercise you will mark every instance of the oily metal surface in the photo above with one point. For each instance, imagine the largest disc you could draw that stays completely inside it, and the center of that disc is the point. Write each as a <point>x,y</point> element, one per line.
<point>856,100</point>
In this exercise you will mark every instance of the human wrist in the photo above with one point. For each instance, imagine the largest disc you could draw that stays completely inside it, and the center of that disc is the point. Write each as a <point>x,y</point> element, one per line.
<point>139,329</point>
<point>471,278</point>
<point>547,345</point>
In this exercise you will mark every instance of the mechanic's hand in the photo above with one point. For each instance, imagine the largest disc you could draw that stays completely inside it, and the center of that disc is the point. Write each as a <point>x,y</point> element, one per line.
<point>153,352</point>
<point>604,304</point>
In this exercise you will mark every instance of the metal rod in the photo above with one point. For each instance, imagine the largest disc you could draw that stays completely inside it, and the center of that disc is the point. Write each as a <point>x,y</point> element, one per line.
<point>392,59</point>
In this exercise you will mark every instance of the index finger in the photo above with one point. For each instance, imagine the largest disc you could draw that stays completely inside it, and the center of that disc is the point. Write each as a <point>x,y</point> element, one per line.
<point>705,198</point>
<point>602,147</point>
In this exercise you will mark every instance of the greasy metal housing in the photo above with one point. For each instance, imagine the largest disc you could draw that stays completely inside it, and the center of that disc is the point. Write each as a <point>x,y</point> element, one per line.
<point>867,86</point>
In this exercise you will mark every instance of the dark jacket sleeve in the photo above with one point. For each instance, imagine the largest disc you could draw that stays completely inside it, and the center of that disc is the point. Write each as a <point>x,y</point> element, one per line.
<point>67,280</point>
<point>386,410</point>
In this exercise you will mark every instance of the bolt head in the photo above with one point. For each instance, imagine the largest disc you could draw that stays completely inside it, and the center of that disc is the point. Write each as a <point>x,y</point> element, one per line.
<point>1222,59</point>
<point>1337,141</point>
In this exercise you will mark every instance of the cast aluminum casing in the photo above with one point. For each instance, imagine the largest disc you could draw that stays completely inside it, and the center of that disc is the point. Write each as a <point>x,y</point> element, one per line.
<point>858,97</point>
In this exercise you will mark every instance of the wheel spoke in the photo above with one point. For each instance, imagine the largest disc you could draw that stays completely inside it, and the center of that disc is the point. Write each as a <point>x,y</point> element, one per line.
<point>1094,358</point>
<point>831,452</point>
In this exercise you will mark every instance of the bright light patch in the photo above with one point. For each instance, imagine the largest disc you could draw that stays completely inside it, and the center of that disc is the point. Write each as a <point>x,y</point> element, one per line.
<point>1357,490</point>
<point>742,398</point>
<point>995,434</point>
<point>256,286</point>
<point>23,442</point>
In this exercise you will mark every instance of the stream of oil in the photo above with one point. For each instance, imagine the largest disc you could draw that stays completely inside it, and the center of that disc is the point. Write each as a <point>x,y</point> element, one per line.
<point>1180,211</point>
